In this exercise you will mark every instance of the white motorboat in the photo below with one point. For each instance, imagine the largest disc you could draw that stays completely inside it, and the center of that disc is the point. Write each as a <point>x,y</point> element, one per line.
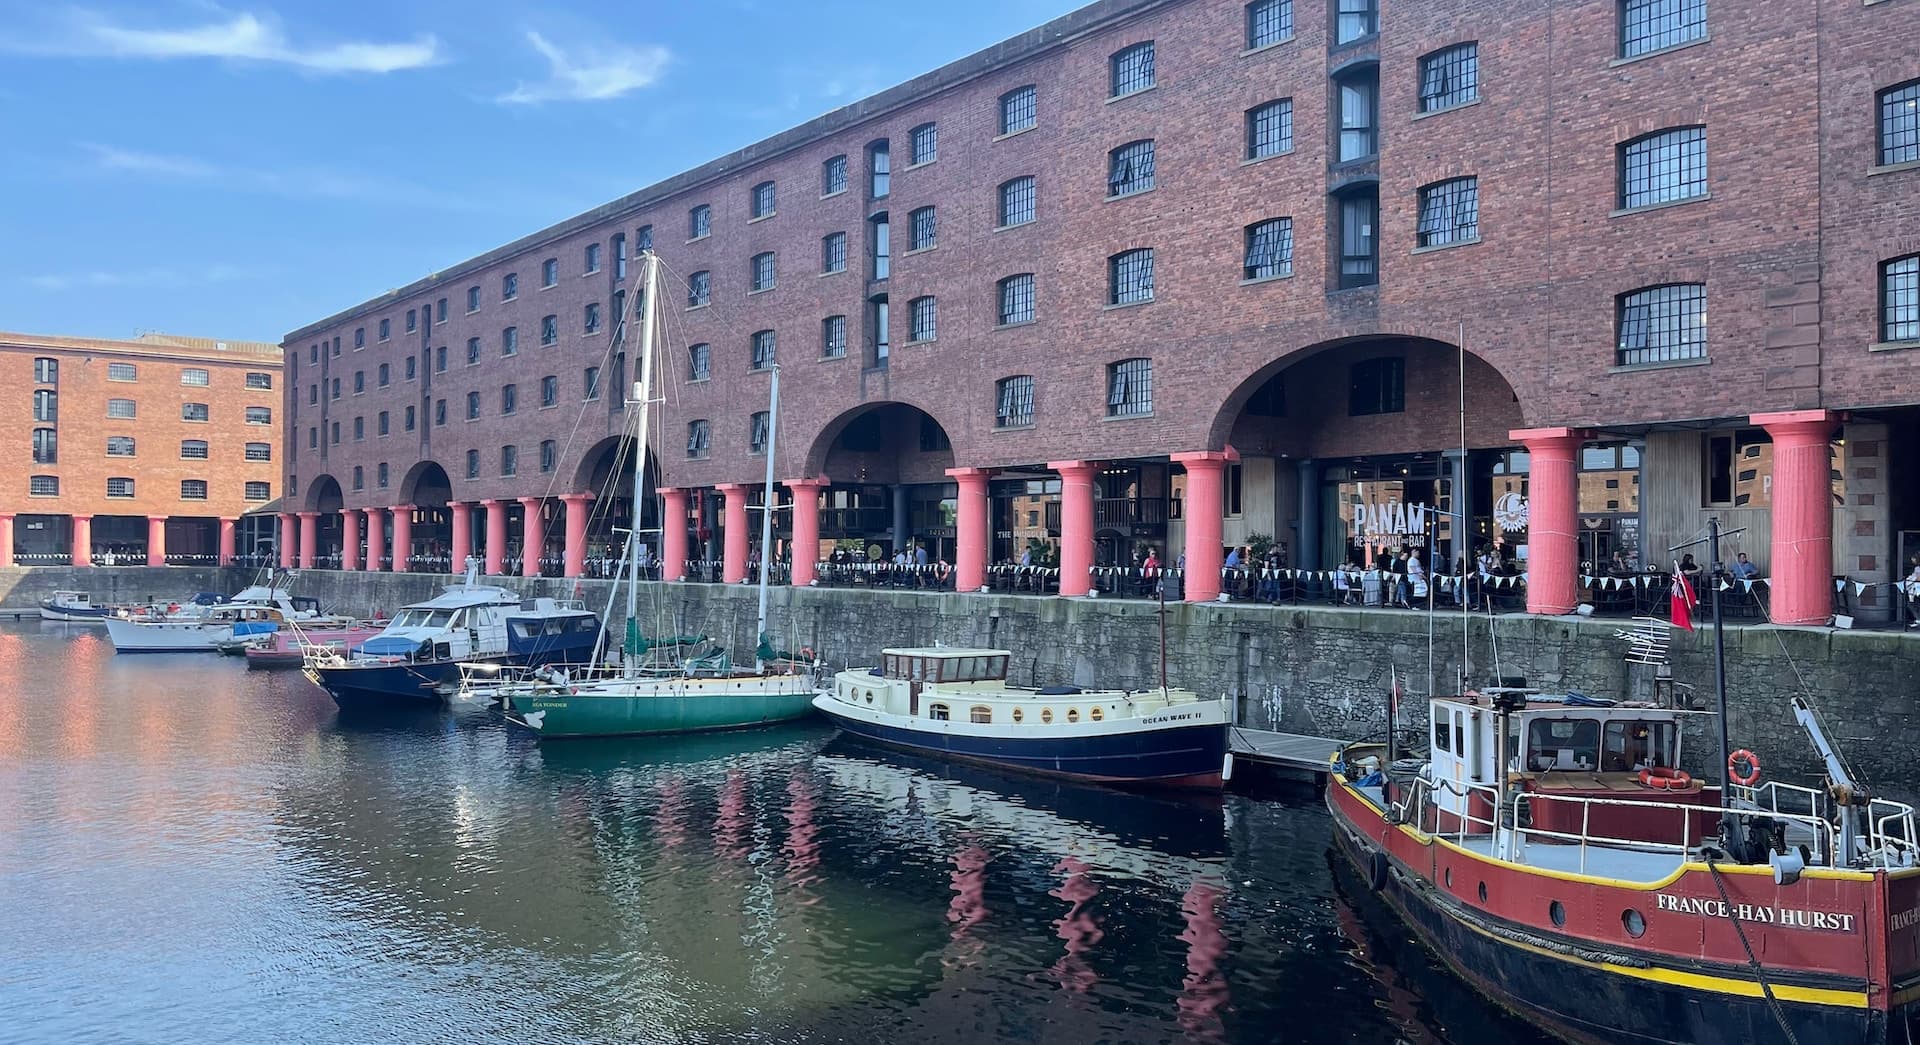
<point>75,606</point>
<point>257,610</point>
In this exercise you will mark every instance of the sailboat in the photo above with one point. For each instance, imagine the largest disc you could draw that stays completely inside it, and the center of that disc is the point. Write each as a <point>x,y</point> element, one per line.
<point>640,695</point>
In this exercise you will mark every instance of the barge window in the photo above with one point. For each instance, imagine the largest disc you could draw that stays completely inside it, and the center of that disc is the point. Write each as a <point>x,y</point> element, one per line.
<point>1018,716</point>
<point>893,665</point>
<point>1563,744</point>
<point>980,714</point>
<point>1633,744</point>
<point>938,712</point>
<point>1442,733</point>
<point>1096,713</point>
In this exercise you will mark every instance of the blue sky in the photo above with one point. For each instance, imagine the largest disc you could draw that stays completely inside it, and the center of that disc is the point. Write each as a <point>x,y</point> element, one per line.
<point>238,171</point>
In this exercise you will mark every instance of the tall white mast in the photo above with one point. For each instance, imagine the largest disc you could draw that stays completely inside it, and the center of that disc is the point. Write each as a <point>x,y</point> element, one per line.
<point>766,516</point>
<point>643,401</point>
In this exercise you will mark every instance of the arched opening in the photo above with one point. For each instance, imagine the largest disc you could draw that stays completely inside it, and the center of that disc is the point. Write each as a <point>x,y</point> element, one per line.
<point>606,471</point>
<point>427,487</point>
<point>324,496</point>
<point>890,494</point>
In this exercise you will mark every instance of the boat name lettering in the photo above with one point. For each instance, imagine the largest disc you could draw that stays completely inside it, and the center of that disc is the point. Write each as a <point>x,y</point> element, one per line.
<point>1761,914</point>
<point>1906,919</point>
<point>1174,716</point>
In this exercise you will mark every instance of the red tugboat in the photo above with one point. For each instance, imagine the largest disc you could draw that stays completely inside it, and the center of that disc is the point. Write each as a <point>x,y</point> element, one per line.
<point>1550,850</point>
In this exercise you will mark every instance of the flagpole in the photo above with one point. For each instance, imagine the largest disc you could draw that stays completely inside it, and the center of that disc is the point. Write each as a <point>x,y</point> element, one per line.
<point>1719,659</point>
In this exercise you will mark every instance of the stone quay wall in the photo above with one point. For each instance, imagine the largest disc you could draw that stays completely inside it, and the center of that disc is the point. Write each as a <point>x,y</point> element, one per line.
<point>1322,671</point>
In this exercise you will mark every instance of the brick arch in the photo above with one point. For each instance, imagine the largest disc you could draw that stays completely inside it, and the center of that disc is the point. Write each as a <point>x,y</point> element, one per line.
<point>821,443</point>
<point>324,494</point>
<point>597,462</point>
<point>411,483</point>
<point>1638,126</point>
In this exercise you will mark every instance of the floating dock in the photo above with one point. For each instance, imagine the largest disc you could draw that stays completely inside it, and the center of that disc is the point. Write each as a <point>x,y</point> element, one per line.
<point>1291,753</point>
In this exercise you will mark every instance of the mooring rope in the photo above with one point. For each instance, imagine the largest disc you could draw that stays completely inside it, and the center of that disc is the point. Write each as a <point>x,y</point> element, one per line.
<point>1758,972</point>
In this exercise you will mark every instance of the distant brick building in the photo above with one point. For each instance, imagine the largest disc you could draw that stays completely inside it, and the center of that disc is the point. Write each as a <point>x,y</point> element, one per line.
<point>142,451</point>
<point>1190,274</point>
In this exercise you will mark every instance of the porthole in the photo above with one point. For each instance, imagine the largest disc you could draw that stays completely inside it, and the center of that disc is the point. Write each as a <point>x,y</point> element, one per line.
<point>1447,877</point>
<point>1096,713</point>
<point>1483,892</point>
<point>1073,714</point>
<point>1558,912</point>
<point>869,696</point>
<point>1046,715</point>
<point>1019,715</point>
<point>1634,922</point>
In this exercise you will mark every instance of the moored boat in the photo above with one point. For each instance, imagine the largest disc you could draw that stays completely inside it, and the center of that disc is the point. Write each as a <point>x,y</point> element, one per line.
<point>74,606</point>
<point>287,648</point>
<point>201,627</point>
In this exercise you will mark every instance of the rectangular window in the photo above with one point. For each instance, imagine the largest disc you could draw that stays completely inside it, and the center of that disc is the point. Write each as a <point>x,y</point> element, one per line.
<point>46,371</point>
<point>509,398</point>
<point>473,299</point>
<point>1900,299</point>
<point>699,362</point>
<point>1663,167</point>
<point>1355,20</point>
<point>1132,69</point>
<point>1019,109</point>
<point>833,337</point>
<point>590,321</point>
<point>757,433</point>
<point>509,286</point>
<point>1651,25</point>
<point>699,289</point>
<point>763,349</point>
<point>439,413</point>
<point>382,472</point>
<point>1269,249</point>
<point>473,406</point>
<point>413,320</point>
<point>385,375</point>
<point>1130,388</point>
<point>1130,168</point>
<point>1661,324</point>
<point>762,271</point>
<point>882,246</point>
<point>1449,212</point>
<point>333,434</point>
<point>122,408</point>
<point>699,222</point>
<point>46,446</point>
<point>1269,22</point>
<point>43,486</point>
<point>1377,386</point>
<point>440,311</point>
<point>1450,77</point>
<point>550,272</point>
<point>413,367</point>
<point>593,259</point>
<point>473,464</point>
<point>259,491</point>
<point>925,143</point>
<point>408,423</point>
<point>259,415</point>
<point>833,253</point>
<point>833,176</point>
<point>619,252</point>
<point>642,240</point>
<point>879,169</point>
<point>259,381</point>
<point>121,372</point>
<point>193,449</point>
<point>359,429</point>
<point>509,460</point>
<point>1359,247</point>
<point>549,454</point>
<point>510,341</point>
<point>313,394</point>
<point>590,381</point>
<point>880,319</point>
<point>193,489</point>
<point>549,330</point>
<point>922,319</point>
<point>195,377</point>
<point>120,487</point>
<point>1015,408</point>
<point>1900,124</point>
<point>386,330</point>
<point>763,200</point>
<point>1359,115</point>
<point>1017,202</point>
<point>359,338</point>
<point>1016,299</point>
<point>1130,277</point>
<point>385,424</point>
<point>923,230</point>
<point>698,439</point>
<point>193,411</point>
<point>1270,129</point>
<point>46,406</point>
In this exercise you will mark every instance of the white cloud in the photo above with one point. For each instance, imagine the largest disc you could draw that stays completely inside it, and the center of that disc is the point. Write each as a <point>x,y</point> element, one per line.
<point>164,278</point>
<point>590,73</point>
<point>244,37</point>
<point>109,158</point>
<point>304,182</point>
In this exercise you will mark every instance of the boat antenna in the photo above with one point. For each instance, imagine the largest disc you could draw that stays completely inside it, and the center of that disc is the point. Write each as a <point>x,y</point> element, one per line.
<point>766,516</point>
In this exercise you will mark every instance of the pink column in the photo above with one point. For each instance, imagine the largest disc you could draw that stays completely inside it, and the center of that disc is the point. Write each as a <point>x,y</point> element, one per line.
<point>226,540</point>
<point>496,534</point>
<point>970,528</point>
<point>6,539</point>
<point>83,540</point>
<point>733,564</point>
<point>1205,507</point>
<point>673,535</point>
<point>806,528</point>
<point>309,539</point>
<point>533,535</point>
<point>1801,573</point>
<point>350,537</point>
<point>402,536</point>
<point>376,538</point>
<point>1076,525</point>
<point>289,539</point>
<point>578,506</point>
<point>462,535</point>
<point>156,540</point>
<point>1553,505</point>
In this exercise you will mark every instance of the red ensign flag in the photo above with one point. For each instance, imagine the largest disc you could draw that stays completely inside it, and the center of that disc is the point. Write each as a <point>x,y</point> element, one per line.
<point>1683,600</point>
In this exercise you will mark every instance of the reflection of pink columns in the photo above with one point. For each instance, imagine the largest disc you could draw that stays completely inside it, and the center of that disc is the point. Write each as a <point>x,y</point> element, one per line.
<point>82,540</point>
<point>533,535</point>
<point>806,528</point>
<point>350,538</point>
<point>289,540</point>
<point>309,539</point>
<point>1076,525</point>
<point>673,534</point>
<point>462,535</point>
<point>578,505</point>
<point>970,528</point>
<point>227,540</point>
<point>156,540</point>
<point>733,564</point>
<point>376,538</point>
<point>6,539</point>
<point>402,536</point>
<point>1801,573</point>
<point>496,534</point>
<point>1553,505</point>
<point>1206,503</point>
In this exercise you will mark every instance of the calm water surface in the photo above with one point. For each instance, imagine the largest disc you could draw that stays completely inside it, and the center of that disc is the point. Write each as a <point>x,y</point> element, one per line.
<point>191,852</point>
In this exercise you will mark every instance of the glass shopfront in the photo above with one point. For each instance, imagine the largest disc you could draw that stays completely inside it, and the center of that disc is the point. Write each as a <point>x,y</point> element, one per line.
<point>1372,508</point>
<point>1026,521</point>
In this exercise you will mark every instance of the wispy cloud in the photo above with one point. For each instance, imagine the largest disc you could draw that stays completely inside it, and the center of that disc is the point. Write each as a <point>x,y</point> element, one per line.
<point>307,183</point>
<point>244,37</point>
<point>160,278</point>
<point>590,73</point>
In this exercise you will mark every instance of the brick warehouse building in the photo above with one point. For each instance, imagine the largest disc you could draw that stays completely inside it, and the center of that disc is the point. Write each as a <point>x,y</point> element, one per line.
<point>149,450</point>
<point>1187,274</point>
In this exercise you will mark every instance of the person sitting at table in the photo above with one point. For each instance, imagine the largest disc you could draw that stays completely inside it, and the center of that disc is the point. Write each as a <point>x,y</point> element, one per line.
<point>1343,583</point>
<point>1743,568</point>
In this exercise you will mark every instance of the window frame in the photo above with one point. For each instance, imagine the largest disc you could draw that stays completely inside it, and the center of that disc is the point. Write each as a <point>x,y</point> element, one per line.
<point>1899,320</point>
<point>1280,231</point>
<point>923,319</point>
<point>1015,290</point>
<point>923,228</point>
<point>1659,179</point>
<point>1125,380</point>
<point>1283,20</point>
<point>833,337</point>
<point>763,350</point>
<point>1278,111</point>
<point>763,200</point>
<point>1886,106</point>
<point>834,175</point>
<point>1461,60</point>
<point>1013,401</point>
<point>1133,165</point>
<point>1439,211</point>
<point>1142,287</point>
<point>1651,13</point>
<point>1131,70</point>
<point>1019,110</point>
<point>761,272</point>
<point>699,221</point>
<point>923,144</point>
<point>1012,192</point>
<point>1650,352</point>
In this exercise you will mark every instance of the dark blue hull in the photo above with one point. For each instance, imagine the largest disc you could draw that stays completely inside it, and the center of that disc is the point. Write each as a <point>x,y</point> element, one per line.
<point>419,682</point>
<point>1184,756</point>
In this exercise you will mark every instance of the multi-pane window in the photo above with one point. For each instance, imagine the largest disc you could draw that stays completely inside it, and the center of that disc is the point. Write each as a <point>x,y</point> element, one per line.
<point>1377,386</point>
<point>833,337</point>
<point>259,491</point>
<point>1017,201</point>
<point>1130,168</point>
<point>762,271</point>
<point>879,169</point>
<point>1131,69</point>
<point>46,406</point>
<point>882,245</point>
<point>1269,249</point>
<point>1449,212</point>
<point>193,449</point>
<point>1269,22</point>
<point>763,199</point>
<point>1015,402</point>
<point>922,319</point>
<point>699,439</point>
<point>880,322</point>
<point>313,394</point>
<point>440,310</point>
<point>413,367</point>
<point>1900,124</point>
<point>550,272</point>
<point>259,451</point>
<point>590,318</point>
<point>1130,277</point>
<point>193,411</point>
<point>359,429</point>
<point>1650,25</point>
<point>386,375</point>
<point>699,362</point>
<point>473,464</point>
<point>833,253</point>
<point>439,367</point>
<point>833,176</point>
<point>642,240</point>
<point>1359,243</point>
<point>121,372</point>
<point>384,425</point>
<point>509,460</point>
<point>46,446</point>
<point>259,415</point>
<point>195,377</point>
<point>1130,388</point>
<point>121,408</point>
<point>408,422</point>
<point>509,289</point>
<point>763,346</point>
<point>473,357</point>
<point>359,382</point>
<point>590,382</point>
<point>1900,299</point>
<point>699,286</point>
<point>359,338</point>
<point>699,221</point>
<point>43,486</point>
<point>509,398</point>
<point>1664,167</point>
<point>473,406</point>
<point>550,391</point>
<point>923,229</point>
<point>509,341</point>
<point>46,371</point>
<point>1359,114</point>
<point>1449,77</point>
<point>382,473</point>
<point>619,255</point>
<point>549,454</point>
<point>1019,109</point>
<point>1354,19</point>
<point>473,299</point>
<point>549,330</point>
<point>439,413</point>
<point>757,428</point>
<point>193,489</point>
<point>1664,323</point>
<point>386,327</point>
<point>924,143</point>
<point>593,257</point>
<point>120,487</point>
<point>1016,299</point>
<point>1270,129</point>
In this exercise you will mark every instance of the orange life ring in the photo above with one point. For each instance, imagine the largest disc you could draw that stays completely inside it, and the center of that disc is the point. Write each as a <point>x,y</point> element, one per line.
<point>1751,776</point>
<point>1660,778</point>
